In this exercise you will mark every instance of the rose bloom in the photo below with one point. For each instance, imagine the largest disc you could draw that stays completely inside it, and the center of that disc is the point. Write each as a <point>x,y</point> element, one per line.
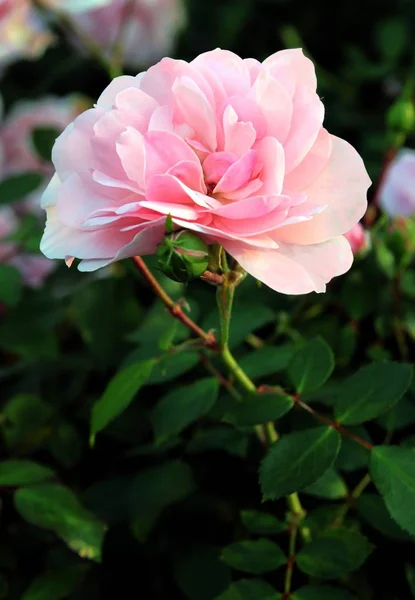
<point>22,33</point>
<point>397,193</point>
<point>145,30</point>
<point>358,238</point>
<point>18,152</point>
<point>232,149</point>
<point>34,268</point>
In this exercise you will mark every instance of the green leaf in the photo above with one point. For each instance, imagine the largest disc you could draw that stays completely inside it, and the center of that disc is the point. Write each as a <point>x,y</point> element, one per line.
<point>17,187</point>
<point>254,556</point>
<point>26,422</point>
<point>43,139</point>
<point>182,406</point>
<point>153,490</point>
<point>119,393</point>
<point>311,366</point>
<point>267,360</point>
<point>352,456</point>
<point>259,408</point>
<point>373,510</point>
<point>331,486</point>
<point>172,366</point>
<point>410,578</point>
<point>391,37</point>
<point>249,589</point>
<point>262,523</point>
<point>200,574</point>
<point>399,416</point>
<point>11,285</point>
<point>385,258</point>
<point>371,391</point>
<point>297,460</point>
<point>55,507</point>
<point>334,554</point>
<point>393,472</point>
<point>322,592</point>
<point>22,472</point>
<point>55,585</point>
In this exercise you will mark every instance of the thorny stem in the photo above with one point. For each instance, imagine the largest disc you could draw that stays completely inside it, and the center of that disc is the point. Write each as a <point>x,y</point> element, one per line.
<point>174,308</point>
<point>266,433</point>
<point>327,421</point>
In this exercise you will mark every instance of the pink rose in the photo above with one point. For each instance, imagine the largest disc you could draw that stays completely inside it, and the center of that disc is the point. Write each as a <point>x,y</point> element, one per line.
<point>232,149</point>
<point>22,33</point>
<point>33,268</point>
<point>145,31</point>
<point>397,194</point>
<point>18,153</point>
<point>358,238</point>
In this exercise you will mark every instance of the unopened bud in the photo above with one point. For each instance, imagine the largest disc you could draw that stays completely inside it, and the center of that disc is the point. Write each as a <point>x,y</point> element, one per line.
<point>401,116</point>
<point>183,256</point>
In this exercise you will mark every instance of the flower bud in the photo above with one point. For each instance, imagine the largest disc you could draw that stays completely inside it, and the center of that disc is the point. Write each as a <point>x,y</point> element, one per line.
<point>401,116</point>
<point>182,256</point>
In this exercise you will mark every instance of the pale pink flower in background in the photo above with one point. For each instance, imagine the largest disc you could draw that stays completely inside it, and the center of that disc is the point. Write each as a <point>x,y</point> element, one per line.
<point>18,152</point>
<point>397,193</point>
<point>22,32</point>
<point>74,6</point>
<point>144,29</point>
<point>34,268</point>
<point>232,149</point>
<point>358,238</point>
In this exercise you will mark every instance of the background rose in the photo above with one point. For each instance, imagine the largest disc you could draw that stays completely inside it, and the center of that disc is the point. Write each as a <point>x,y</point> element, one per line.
<point>22,33</point>
<point>18,151</point>
<point>145,30</point>
<point>397,194</point>
<point>358,238</point>
<point>34,268</point>
<point>74,6</point>
<point>233,149</point>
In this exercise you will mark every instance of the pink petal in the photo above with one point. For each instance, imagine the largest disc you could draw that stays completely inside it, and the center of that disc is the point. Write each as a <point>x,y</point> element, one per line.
<point>190,173</point>
<point>306,125</point>
<point>293,70</point>
<point>216,234</point>
<point>144,242</point>
<point>342,187</point>
<point>238,137</point>
<point>228,67</point>
<point>271,155</point>
<point>256,206</point>
<point>131,151</point>
<point>312,165</point>
<point>294,269</point>
<point>73,150</point>
<point>216,165</point>
<point>117,85</point>
<point>275,105</point>
<point>238,174</point>
<point>195,110</point>
<point>164,150</point>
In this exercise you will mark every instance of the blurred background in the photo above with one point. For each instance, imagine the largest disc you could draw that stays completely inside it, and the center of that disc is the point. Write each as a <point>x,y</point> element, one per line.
<point>64,334</point>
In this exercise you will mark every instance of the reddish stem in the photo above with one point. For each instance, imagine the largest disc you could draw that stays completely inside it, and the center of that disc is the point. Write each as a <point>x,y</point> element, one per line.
<point>327,421</point>
<point>174,307</point>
